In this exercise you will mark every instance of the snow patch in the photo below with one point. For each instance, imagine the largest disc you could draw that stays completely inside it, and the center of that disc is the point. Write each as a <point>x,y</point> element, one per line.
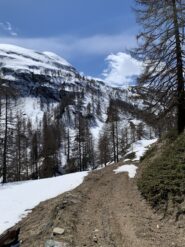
<point>17,199</point>
<point>131,169</point>
<point>140,147</point>
<point>97,129</point>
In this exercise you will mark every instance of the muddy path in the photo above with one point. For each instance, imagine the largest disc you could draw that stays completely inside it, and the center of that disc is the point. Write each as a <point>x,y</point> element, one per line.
<point>105,211</point>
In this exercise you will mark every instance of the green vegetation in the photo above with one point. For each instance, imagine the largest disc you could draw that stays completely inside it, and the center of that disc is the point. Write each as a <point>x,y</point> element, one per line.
<point>162,179</point>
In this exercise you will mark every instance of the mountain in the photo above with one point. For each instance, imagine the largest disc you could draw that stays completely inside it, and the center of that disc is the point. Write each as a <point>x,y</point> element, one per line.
<point>34,73</point>
<point>50,78</point>
<point>54,97</point>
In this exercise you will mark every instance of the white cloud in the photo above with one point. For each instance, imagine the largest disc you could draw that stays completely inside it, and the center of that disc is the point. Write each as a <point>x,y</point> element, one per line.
<point>103,44</point>
<point>7,27</point>
<point>69,46</point>
<point>121,68</point>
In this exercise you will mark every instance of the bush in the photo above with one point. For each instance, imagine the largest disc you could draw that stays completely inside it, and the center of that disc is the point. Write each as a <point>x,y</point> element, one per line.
<point>163,176</point>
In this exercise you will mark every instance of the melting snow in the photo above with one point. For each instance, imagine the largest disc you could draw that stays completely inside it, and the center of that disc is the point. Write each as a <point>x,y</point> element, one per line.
<point>131,169</point>
<point>17,199</point>
<point>140,147</point>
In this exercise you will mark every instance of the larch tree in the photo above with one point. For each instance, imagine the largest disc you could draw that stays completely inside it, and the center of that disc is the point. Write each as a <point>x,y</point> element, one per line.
<point>161,48</point>
<point>6,126</point>
<point>112,120</point>
<point>104,148</point>
<point>51,143</point>
<point>34,156</point>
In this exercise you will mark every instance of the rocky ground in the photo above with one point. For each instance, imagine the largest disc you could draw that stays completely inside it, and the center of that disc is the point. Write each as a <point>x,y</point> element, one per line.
<point>105,211</point>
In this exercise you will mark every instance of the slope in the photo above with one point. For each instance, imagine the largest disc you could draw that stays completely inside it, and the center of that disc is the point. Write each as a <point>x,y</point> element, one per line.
<point>162,178</point>
<point>106,210</point>
<point>16,201</point>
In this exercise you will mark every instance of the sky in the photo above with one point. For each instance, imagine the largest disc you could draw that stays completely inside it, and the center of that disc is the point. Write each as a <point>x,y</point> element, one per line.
<point>93,35</point>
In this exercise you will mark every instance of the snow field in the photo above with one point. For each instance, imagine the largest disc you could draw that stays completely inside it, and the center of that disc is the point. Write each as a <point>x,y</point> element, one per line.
<point>17,199</point>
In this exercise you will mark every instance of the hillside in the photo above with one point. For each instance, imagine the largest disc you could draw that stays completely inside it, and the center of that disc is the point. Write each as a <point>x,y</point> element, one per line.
<point>61,116</point>
<point>55,121</point>
<point>162,176</point>
<point>106,210</point>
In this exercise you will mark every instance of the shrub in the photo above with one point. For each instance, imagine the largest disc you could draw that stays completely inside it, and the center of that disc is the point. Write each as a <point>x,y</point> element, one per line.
<point>163,176</point>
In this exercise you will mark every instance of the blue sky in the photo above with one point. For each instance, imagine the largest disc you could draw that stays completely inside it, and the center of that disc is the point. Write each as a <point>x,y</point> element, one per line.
<point>85,32</point>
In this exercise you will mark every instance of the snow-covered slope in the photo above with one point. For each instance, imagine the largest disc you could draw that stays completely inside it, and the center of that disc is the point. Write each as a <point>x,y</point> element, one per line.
<point>18,58</point>
<point>49,78</point>
<point>34,73</point>
<point>140,147</point>
<point>17,199</point>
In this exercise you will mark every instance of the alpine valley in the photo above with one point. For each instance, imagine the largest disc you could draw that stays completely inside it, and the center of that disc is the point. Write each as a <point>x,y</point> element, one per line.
<point>55,120</point>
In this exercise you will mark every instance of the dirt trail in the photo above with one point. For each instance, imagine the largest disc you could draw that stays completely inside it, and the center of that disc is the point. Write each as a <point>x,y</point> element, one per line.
<point>105,211</point>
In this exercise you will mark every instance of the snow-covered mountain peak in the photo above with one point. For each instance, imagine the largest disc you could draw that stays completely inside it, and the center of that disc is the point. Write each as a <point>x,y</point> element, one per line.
<point>56,57</point>
<point>17,59</point>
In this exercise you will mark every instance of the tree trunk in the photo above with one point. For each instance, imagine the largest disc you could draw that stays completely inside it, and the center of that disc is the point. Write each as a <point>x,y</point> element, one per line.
<point>180,78</point>
<point>68,146</point>
<point>5,141</point>
<point>117,143</point>
<point>113,141</point>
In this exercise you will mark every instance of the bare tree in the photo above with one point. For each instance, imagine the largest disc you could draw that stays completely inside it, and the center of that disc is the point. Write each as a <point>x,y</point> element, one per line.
<point>112,120</point>
<point>104,148</point>
<point>162,50</point>
<point>6,122</point>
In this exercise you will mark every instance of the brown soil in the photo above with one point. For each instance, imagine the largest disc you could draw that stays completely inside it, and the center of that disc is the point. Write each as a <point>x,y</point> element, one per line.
<point>105,211</point>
